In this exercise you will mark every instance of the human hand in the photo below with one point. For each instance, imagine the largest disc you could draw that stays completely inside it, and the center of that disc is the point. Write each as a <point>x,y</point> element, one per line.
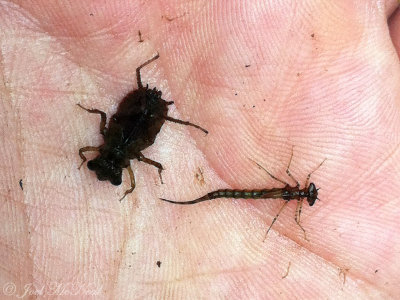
<point>261,77</point>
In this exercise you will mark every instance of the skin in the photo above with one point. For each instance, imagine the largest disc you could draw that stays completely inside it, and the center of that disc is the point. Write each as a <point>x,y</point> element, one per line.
<point>323,77</point>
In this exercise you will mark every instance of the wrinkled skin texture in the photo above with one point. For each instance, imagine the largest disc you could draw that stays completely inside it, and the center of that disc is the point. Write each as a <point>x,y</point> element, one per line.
<point>329,73</point>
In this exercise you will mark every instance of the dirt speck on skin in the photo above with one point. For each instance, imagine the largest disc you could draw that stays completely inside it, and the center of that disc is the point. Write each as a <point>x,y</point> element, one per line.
<point>170,19</point>
<point>20,184</point>
<point>140,37</point>
<point>287,270</point>
<point>158,263</point>
<point>199,176</point>
<point>343,272</point>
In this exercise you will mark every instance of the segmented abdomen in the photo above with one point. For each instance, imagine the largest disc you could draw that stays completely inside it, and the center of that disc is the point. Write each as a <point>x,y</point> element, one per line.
<point>244,194</point>
<point>228,193</point>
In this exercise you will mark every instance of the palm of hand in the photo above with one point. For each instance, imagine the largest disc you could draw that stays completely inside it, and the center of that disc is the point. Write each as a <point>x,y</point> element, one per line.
<point>312,80</point>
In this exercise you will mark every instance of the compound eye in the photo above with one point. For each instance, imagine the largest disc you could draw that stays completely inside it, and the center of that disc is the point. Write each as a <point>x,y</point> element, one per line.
<point>116,180</point>
<point>312,189</point>
<point>91,165</point>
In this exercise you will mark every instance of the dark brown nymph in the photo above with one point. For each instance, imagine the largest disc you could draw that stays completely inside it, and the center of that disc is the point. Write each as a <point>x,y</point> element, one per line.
<point>133,128</point>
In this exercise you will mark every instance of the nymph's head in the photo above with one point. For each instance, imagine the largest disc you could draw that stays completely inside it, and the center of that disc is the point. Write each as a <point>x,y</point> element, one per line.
<point>312,194</point>
<point>106,170</point>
